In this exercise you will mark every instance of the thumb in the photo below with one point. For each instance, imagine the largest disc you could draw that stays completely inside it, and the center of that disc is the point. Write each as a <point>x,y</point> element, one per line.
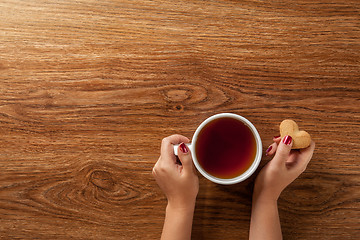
<point>283,150</point>
<point>185,157</point>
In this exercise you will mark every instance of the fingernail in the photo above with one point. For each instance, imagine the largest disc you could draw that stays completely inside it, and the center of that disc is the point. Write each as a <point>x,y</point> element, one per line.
<point>183,148</point>
<point>287,140</point>
<point>268,150</point>
<point>277,136</point>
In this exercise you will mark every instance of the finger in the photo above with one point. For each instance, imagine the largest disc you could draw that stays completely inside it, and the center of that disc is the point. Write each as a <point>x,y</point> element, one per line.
<point>271,149</point>
<point>283,150</point>
<point>305,156</point>
<point>155,167</point>
<point>154,172</point>
<point>186,158</point>
<point>277,139</point>
<point>167,149</point>
<point>309,150</point>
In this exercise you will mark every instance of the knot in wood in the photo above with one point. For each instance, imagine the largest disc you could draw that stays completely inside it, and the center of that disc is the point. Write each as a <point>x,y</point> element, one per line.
<point>102,179</point>
<point>177,95</point>
<point>178,107</point>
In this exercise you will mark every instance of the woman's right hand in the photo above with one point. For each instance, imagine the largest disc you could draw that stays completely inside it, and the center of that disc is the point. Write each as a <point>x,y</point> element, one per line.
<point>283,169</point>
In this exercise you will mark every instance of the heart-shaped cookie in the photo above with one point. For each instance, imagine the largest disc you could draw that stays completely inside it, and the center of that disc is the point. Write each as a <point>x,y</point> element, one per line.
<point>301,139</point>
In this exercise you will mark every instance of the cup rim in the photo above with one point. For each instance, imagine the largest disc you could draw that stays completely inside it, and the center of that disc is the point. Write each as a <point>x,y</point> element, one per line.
<point>253,166</point>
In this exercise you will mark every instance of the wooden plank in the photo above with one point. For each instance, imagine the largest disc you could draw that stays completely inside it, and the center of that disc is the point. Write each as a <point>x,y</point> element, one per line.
<point>89,88</point>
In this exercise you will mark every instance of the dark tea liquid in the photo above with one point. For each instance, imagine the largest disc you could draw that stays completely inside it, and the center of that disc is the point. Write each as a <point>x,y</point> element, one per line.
<point>225,148</point>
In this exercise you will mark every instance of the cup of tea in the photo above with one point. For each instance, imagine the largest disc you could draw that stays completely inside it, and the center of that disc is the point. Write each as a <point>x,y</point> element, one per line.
<point>226,148</point>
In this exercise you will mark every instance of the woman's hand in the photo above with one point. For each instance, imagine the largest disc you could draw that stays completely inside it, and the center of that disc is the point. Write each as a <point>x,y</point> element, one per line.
<point>179,182</point>
<point>283,169</point>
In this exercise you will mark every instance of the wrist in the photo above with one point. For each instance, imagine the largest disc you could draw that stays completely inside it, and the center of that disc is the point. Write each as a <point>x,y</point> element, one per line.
<point>181,202</point>
<point>265,199</point>
<point>263,195</point>
<point>180,208</point>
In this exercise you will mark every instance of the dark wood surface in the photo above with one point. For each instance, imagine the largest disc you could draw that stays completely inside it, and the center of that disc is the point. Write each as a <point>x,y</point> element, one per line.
<point>89,88</point>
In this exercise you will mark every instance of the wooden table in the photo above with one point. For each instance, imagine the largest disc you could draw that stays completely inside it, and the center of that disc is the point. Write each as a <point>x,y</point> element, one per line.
<point>89,88</point>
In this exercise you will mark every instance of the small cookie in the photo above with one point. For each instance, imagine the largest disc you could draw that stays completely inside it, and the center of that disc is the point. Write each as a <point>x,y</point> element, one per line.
<point>301,139</point>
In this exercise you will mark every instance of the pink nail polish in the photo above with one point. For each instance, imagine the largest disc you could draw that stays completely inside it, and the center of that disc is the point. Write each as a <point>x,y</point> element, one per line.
<point>277,136</point>
<point>183,148</point>
<point>268,150</point>
<point>287,140</point>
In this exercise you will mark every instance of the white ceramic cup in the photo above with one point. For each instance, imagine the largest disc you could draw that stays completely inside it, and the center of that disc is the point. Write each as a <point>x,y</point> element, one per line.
<point>236,179</point>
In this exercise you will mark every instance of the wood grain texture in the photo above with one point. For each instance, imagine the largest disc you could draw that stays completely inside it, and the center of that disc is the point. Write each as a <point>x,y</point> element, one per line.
<point>89,88</point>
